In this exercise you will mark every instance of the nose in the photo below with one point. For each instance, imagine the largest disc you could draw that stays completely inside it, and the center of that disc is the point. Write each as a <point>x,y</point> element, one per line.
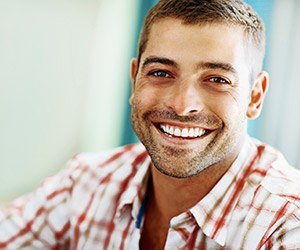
<point>185,99</point>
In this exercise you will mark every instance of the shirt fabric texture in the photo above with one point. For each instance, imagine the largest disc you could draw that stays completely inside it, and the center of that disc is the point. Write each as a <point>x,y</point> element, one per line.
<point>96,203</point>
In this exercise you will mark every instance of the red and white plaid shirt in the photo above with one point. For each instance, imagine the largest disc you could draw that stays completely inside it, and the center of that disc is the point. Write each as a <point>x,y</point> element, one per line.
<point>95,203</point>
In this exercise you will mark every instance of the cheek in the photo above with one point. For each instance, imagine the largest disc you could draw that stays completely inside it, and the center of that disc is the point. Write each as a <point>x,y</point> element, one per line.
<point>230,109</point>
<point>147,97</point>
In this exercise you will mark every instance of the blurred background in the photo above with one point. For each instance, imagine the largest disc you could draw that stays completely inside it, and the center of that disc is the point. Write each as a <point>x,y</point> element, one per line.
<point>64,82</point>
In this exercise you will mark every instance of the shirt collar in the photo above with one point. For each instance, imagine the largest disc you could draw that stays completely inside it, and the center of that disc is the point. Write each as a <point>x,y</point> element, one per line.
<point>134,194</point>
<point>213,213</point>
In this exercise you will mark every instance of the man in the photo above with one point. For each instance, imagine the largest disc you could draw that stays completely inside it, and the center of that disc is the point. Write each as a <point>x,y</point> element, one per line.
<point>201,182</point>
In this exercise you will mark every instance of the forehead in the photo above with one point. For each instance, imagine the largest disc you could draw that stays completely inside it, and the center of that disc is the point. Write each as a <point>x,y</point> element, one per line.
<point>171,38</point>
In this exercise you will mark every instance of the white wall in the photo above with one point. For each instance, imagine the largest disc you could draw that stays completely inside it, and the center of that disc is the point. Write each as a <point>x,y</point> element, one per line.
<point>109,76</point>
<point>61,83</point>
<point>64,78</point>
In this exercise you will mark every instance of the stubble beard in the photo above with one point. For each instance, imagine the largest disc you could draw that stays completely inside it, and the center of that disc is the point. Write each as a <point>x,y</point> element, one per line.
<point>178,162</point>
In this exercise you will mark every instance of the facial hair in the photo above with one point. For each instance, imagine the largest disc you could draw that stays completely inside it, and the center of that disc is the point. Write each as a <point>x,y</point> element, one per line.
<point>180,162</point>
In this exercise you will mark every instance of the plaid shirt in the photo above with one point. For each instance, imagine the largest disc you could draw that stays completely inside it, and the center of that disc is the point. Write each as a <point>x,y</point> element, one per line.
<point>95,203</point>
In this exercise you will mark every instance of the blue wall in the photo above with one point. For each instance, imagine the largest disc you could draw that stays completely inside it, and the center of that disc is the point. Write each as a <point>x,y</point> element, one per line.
<point>129,136</point>
<point>264,9</point>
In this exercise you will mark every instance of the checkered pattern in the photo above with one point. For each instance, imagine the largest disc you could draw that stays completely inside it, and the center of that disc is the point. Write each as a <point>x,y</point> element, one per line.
<point>95,201</point>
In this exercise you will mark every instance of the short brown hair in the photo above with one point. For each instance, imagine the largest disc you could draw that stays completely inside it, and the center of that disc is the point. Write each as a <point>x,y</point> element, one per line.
<point>235,12</point>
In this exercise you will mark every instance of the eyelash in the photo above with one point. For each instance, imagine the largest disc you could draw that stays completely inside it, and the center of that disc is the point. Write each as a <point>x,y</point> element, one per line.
<point>219,80</point>
<point>213,79</point>
<point>156,72</point>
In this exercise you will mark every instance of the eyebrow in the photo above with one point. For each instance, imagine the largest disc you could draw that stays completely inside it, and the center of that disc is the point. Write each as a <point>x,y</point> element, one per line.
<point>161,60</point>
<point>202,65</point>
<point>217,65</point>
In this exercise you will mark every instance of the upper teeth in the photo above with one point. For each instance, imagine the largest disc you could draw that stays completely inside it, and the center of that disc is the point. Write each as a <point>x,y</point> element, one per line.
<point>182,132</point>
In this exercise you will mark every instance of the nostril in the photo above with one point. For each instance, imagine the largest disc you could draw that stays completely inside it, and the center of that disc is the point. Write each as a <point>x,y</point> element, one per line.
<point>183,104</point>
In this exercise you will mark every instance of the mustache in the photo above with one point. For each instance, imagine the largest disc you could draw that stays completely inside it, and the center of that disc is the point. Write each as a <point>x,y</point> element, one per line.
<point>202,118</point>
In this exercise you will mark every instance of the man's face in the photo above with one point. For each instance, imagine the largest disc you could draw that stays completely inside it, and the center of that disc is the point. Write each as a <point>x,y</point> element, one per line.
<point>190,96</point>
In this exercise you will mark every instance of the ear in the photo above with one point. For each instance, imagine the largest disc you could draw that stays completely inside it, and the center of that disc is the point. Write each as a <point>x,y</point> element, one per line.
<point>257,95</point>
<point>133,73</point>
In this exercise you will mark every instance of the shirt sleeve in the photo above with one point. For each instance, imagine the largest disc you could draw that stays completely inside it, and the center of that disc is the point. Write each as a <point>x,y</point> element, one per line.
<point>39,220</point>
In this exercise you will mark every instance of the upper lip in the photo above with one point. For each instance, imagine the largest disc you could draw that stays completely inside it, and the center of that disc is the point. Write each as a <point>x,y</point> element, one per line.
<point>182,125</point>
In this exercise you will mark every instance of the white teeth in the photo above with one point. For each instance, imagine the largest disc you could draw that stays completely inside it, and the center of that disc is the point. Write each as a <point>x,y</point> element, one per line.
<point>191,132</point>
<point>185,132</point>
<point>177,132</point>
<point>196,132</point>
<point>166,129</point>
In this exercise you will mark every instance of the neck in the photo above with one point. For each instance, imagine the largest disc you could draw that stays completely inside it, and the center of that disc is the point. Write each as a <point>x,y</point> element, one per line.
<point>172,196</point>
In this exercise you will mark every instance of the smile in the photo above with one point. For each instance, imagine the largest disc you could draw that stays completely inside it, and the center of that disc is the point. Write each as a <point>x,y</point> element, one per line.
<point>183,132</point>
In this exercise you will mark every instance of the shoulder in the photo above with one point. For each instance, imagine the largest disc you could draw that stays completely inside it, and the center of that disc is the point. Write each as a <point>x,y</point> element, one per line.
<point>110,156</point>
<point>84,173</point>
<point>271,198</point>
<point>279,178</point>
<point>106,162</point>
<point>104,176</point>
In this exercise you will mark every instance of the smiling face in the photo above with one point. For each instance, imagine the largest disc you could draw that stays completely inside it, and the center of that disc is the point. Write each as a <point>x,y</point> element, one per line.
<point>191,96</point>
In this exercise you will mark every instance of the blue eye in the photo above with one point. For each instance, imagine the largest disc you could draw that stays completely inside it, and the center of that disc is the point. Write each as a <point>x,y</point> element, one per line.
<point>160,73</point>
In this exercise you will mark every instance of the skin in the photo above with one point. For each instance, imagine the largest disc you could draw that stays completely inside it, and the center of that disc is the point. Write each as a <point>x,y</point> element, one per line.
<point>190,76</point>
